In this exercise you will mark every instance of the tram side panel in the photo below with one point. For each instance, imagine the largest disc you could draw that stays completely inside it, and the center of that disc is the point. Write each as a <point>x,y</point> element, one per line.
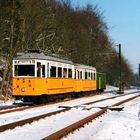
<point>85,78</point>
<point>41,86</point>
<point>85,85</point>
<point>29,86</point>
<point>101,81</point>
<point>59,85</point>
<point>89,85</point>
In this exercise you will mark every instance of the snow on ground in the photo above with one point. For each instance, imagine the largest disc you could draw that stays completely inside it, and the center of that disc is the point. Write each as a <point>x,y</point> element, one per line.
<point>10,102</point>
<point>20,115</point>
<point>47,126</point>
<point>111,88</point>
<point>16,116</point>
<point>108,90</point>
<point>111,126</point>
<point>124,125</point>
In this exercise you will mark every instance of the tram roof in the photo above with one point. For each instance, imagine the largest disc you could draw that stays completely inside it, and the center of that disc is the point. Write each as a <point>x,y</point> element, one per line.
<point>42,56</point>
<point>81,66</point>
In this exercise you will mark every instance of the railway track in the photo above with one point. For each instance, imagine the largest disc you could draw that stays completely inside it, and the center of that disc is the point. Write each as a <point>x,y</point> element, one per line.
<point>7,107</point>
<point>14,106</point>
<point>65,131</point>
<point>21,107</point>
<point>30,120</point>
<point>11,109</point>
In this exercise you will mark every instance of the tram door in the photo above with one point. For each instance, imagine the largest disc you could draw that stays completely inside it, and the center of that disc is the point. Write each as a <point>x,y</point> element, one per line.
<point>40,70</point>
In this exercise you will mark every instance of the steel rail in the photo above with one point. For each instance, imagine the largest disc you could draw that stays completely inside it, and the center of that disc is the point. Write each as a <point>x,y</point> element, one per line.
<point>126,100</point>
<point>35,106</point>
<point>4,110</point>
<point>109,98</point>
<point>21,109</point>
<point>9,107</point>
<point>63,132</point>
<point>29,120</point>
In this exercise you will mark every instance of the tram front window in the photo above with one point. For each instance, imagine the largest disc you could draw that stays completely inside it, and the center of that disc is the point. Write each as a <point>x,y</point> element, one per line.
<point>24,70</point>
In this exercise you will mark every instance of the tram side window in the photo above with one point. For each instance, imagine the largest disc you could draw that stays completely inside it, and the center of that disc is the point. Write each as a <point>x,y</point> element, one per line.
<point>86,75</point>
<point>24,70</point>
<point>69,73</point>
<point>53,71</point>
<point>94,76</point>
<point>43,70</point>
<point>75,74</point>
<point>80,74</point>
<point>38,69</point>
<point>48,70</point>
<point>91,76</point>
<point>59,72</point>
<point>65,73</point>
<point>16,71</point>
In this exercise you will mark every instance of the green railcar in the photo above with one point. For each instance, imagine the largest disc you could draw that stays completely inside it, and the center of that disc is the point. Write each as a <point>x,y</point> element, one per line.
<point>101,81</point>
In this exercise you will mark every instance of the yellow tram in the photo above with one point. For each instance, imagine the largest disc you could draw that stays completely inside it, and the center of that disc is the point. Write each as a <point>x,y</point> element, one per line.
<point>36,74</point>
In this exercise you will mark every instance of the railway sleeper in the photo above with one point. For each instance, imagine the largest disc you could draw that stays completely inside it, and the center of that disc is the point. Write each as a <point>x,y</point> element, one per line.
<point>112,108</point>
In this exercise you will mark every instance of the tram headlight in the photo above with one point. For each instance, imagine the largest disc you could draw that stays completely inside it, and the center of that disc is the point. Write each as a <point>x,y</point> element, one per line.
<point>23,89</point>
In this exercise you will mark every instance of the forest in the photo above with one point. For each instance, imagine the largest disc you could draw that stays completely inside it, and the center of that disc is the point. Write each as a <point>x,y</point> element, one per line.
<point>79,34</point>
